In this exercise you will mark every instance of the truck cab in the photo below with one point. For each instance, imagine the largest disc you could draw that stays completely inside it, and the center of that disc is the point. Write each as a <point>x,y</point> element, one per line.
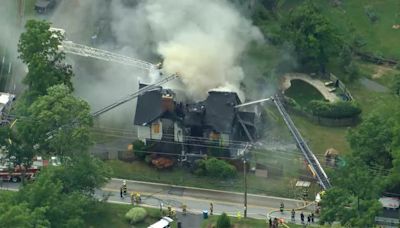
<point>43,6</point>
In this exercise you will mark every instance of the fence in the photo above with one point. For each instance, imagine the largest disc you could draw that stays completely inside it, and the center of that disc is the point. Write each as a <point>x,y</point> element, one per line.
<point>114,155</point>
<point>341,85</point>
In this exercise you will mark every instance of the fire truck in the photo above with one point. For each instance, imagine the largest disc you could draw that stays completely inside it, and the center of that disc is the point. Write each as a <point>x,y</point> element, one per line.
<point>9,172</point>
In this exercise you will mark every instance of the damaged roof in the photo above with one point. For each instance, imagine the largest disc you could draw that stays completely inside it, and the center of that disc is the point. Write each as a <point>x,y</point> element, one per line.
<point>220,110</point>
<point>148,106</point>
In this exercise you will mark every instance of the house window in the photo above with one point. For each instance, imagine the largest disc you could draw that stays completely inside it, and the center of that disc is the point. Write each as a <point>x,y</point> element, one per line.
<point>214,135</point>
<point>156,128</point>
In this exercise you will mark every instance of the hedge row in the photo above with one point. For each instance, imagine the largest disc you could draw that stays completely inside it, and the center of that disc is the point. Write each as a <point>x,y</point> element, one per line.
<point>337,110</point>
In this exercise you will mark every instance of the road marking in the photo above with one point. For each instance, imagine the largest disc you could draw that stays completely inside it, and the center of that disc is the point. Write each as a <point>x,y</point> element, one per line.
<point>206,190</point>
<point>197,199</point>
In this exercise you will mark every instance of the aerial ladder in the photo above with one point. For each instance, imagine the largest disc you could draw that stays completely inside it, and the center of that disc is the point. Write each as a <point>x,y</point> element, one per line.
<point>90,52</point>
<point>312,161</point>
<point>154,72</point>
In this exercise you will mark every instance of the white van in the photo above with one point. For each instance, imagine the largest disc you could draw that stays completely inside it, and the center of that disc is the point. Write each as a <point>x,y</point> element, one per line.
<point>162,223</point>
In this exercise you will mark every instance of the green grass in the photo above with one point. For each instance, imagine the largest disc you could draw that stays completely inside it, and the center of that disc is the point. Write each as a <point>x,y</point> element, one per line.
<point>113,215</point>
<point>321,138</point>
<point>279,186</point>
<point>351,21</point>
<point>243,223</point>
<point>302,92</point>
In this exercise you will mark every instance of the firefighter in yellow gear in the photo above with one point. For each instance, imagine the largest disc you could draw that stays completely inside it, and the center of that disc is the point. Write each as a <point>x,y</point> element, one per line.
<point>138,198</point>
<point>133,198</point>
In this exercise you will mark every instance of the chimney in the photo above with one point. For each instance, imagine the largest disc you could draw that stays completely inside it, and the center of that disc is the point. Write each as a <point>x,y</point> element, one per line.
<point>167,103</point>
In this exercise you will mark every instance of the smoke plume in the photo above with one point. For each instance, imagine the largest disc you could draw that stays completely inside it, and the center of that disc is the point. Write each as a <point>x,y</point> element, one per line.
<point>200,40</point>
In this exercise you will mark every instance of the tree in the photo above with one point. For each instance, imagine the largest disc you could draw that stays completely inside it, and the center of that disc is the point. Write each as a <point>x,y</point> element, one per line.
<point>61,209</point>
<point>57,123</point>
<point>83,174</point>
<point>139,149</point>
<point>20,215</point>
<point>372,141</point>
<point>39,49</point>
<point>223,221</point>
<point>353,199</point>
<point>313,37</point>
<point>396,85</point>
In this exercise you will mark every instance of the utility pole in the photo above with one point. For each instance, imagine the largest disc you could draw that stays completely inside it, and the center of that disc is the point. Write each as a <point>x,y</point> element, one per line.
<point>21,11</point>
<point>245,178</point>
<point>245,187</point>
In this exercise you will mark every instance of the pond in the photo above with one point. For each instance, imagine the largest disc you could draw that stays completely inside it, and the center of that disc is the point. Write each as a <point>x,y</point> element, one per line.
<point>302,92</point>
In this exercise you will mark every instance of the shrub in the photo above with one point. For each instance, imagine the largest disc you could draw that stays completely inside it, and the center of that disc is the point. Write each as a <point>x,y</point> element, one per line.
<point>148,159</point>
<point>223,221</point>
<point>340,109</point>
<point>214,168</point>
<point>219,168</point>
<point>136,215</point>
<point>292,103</point>
<point>139,149</point>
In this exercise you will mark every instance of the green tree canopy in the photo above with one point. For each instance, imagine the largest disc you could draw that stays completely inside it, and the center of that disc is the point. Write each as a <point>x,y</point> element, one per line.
<point>39,49</point>
<point>372,141</point>
<point>57,123</point>
<point>312,35</point>
<point>83,174</point>
<point>62,210</point>
<point>20,215</point>
<point>354,198</point>
<point>396,85</point>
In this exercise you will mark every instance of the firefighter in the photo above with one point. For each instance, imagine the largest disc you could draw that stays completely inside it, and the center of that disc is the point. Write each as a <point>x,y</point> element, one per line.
<point>282,207</point>
<point>138,198</point>
<point>124,188</point>
<point>184,209</point>
<point>169,211</point>
<point>133,198</point>
<point>293,215</point>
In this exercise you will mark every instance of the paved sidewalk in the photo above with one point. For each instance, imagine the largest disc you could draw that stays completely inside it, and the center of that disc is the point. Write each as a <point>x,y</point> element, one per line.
<point>318,84</point>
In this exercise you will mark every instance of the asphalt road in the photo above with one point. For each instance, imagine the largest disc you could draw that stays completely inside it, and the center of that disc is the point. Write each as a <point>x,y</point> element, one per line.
<point>197,199</point>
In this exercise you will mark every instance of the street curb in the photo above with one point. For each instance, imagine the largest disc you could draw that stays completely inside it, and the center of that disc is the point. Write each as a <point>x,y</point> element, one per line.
<point>208,190</point>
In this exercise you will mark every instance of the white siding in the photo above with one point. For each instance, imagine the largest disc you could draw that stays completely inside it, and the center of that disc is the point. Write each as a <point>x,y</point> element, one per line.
<point>156,130</point>
<point>224,139</point>
<point>178,133</point>
<point>143,132</point>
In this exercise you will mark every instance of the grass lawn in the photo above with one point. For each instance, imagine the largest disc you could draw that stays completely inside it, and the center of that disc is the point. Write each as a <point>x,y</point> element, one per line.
<point>136,170</point>
<point>113,215</point>
<point>351,21</point>
<point>321,138</point>
<point>302,92</point>
<point>242,223</point>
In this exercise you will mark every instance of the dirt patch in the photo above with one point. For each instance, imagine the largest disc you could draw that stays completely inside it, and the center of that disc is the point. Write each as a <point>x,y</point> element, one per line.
<point>381,71</point>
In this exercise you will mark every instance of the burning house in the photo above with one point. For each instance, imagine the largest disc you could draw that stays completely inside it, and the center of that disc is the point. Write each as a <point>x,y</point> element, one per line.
<point>207,127</point>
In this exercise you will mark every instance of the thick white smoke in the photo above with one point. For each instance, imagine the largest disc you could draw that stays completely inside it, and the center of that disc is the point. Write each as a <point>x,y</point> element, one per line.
<point>201,40</point>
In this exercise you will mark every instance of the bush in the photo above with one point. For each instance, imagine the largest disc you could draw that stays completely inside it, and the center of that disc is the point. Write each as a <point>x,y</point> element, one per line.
<point>136,215</point>
<point>215,168</point>
<point>292,103</point>
<point>223,221</point>
<point>340,109</point>
<point>139,149</point>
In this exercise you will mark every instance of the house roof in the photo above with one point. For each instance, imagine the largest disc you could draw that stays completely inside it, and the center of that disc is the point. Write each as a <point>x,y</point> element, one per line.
<point>148,106</point>
<point>220,112</point>
<point>194,114</point>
